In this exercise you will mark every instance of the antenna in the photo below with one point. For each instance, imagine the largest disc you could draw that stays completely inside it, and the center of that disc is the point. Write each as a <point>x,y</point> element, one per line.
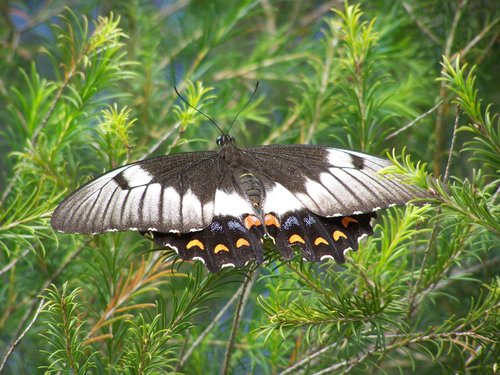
<point>200,112</point>
<point>246,105</point>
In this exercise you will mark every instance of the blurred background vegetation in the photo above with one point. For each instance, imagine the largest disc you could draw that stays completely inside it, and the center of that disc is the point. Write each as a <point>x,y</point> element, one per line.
<point>88,85</point>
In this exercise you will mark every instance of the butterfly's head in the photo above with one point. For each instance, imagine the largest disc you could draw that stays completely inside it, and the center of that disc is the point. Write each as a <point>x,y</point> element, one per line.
<point>224,139</point>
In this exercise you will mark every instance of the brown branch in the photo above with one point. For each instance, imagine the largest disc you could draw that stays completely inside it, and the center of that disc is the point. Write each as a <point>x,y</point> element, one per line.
<point>245,293</point>
<point>420,24</point>
<point>407,126</point>
<point>18,335</point>
<point>439,127</point>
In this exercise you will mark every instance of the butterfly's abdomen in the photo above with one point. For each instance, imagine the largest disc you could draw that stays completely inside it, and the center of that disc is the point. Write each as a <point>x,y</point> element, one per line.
<point>248,183</point>
<point>253,188</point>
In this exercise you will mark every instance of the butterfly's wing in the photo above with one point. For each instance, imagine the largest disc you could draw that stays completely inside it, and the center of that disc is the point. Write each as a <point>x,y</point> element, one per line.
<point>319,199</point>
<point>233,238</point>
<point>184,201</point>
<point>167,194</point>
<point>323,199</point>
<point>328,181</point>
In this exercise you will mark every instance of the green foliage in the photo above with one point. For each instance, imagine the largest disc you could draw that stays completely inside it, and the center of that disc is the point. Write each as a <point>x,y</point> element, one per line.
<point>88,88</point>
<point>65,333</point>
<point>485,144</point>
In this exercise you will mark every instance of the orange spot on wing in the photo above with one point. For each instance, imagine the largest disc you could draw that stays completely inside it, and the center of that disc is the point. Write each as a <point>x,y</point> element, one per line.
<point>337,234</point>
<point>296,238</point>
<point>346,220</point>
<point>270,219</point>
<point>320,240</point>
<point>220,247</point>
<point>194,243</point>
<point>242,242</point>
<point>252,221</point>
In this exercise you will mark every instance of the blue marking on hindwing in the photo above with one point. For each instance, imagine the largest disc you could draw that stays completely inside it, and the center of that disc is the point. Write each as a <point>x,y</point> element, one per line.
<point>216,227</point>
<point>290,222</point>
<point>235,225</point>
<point>309,220</point>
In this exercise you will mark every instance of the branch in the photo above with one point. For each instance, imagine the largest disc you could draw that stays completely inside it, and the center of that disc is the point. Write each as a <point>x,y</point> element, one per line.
<point>406,127</point>
<point>209,328</point>
<point>245,293</point>
<point>18,336</point>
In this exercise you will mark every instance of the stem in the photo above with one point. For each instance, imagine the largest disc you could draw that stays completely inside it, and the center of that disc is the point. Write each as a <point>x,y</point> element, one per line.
<point>439,128</point>
<point>207,330</point>
<point>416,290</point>
<point>245,293</point>
<point>406,127</point>
<point>18,336</point>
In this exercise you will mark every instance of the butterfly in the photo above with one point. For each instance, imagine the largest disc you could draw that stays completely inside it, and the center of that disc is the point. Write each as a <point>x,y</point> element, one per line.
<point>218,206</point>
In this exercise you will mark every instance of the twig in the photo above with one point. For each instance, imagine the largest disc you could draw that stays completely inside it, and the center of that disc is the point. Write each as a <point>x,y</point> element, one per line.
<point>485,50</point>
<point>16,342</point>
<point>420,25</point>
<point>18,336</point>
<point>413,297</point>
<point>247,287</point>
<point>476,39</point>
<point>397,132</point>
<point>492,263</point>
<point>209,328</point>
<point>351,363</point>
<point>326,67</point>
<point>172,8</point>
<point>14,262</point>
<point>244,71</point>
<point>318,12</point>
<point>452,146</point>
<point>157,145</point>
<point>308,359</point>
<point>270,18</point>
<point>439,127</point>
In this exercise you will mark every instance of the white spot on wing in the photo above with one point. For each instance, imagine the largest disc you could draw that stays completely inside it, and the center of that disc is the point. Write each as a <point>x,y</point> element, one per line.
<point>171,208</point>
<point>208,211</point>
<point>166,243</point>
<point>341,192</point>
<point>136,176</point>
<point>378,163</point>
<point>151,207</point>
<point>340,159</point>
<point>228,265</point>
<point>200,259</point>
<point>191,211</point>
<point>131,213</point>
<point>362,238</point>
<point>115,208</point>
<point>347,250</point>
<point>100,181</point>
<point>318,196</point>
<point>231,204</point>
<point>326,257</point>
<point>281,200</point>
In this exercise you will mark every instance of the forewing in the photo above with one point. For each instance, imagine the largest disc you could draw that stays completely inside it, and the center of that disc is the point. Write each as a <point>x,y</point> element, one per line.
<point>327,181</point>
<point>172,193</point>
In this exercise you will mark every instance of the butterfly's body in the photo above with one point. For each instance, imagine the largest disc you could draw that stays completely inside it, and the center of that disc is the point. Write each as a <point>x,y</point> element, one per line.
<point>217,206</point>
